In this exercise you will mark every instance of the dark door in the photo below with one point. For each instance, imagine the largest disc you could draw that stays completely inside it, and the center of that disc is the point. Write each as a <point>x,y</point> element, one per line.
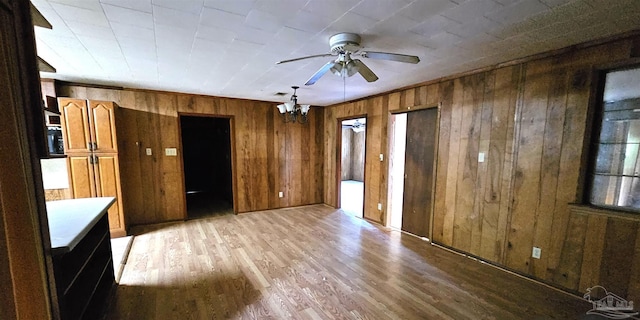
<point>418,169</point>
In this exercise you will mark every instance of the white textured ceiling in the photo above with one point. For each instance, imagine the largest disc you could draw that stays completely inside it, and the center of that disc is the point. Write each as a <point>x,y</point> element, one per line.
<point>229,47</point>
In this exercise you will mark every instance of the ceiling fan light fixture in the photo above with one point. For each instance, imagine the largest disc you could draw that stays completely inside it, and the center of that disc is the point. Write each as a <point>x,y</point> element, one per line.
<point>304,108</point>
<point>352,68</point>
<point>344,45</point>
<point>337,68</point>
<point>344,69</point>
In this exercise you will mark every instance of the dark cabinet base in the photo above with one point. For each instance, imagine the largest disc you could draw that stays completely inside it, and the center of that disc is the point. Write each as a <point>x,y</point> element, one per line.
<point>84,276</point>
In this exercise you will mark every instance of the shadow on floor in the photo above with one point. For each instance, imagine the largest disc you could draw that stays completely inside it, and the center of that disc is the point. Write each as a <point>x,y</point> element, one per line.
<point>203,204</point>
<point>212,295</point>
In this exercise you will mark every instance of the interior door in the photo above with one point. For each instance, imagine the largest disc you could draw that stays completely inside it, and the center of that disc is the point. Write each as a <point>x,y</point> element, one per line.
<point>419,164</point>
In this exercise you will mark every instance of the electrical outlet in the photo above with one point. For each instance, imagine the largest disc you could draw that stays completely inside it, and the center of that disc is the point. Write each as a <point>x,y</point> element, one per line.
<point>379,206</point>
<point>148,150</point>
<point>280,194</point>
<point>536,252</point>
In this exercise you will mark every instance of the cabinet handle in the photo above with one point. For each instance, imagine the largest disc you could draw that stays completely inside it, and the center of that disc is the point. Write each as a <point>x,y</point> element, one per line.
<point>95,159</point>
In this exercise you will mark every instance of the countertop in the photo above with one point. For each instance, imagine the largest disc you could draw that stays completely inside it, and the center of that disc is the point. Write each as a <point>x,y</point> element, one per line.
<point>70,220</point>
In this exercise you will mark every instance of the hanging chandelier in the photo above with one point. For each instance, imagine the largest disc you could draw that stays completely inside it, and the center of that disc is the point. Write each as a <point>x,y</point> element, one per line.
<point>292,111</point>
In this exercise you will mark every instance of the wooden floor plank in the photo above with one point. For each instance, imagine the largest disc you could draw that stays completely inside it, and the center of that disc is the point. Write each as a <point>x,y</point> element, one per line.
<point>316,262</point>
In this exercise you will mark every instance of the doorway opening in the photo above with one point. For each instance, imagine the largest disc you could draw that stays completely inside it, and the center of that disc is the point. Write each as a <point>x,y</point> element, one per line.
<point>351,184</point>
<point>396,168</point>
<point>206,156</point>
<point>413,147</point>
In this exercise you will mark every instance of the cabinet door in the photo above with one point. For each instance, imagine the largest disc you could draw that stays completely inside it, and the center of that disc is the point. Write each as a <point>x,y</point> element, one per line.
<point>103,126</point>
<point>75,125</point>
<point>108,185</point>
<point>81,176</point>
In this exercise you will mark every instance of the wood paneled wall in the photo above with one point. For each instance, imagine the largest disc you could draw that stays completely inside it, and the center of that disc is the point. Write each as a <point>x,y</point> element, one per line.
<point>375,109</point>
<point>357,155</point>
<point>352,155</point>
<point>530,120</point>
<point>601,249</point>
<point>346,170</point>
<point>57,194</point>
<point>270,156</point>
<point>25,262</point>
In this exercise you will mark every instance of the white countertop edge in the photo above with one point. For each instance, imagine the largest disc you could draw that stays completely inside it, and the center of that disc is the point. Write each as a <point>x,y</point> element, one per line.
<point>70,220</point>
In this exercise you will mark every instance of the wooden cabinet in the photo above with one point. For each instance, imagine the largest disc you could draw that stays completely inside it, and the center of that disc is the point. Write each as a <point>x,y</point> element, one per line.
<point>103,126</point>
<point>81,176</point>
<point>107,178</point>
<point>88,127</point>
<point>89,133</point>
<point>75,125</point>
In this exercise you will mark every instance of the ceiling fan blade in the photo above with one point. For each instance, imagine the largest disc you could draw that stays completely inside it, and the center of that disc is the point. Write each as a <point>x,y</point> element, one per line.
<point>307,57</point>
<point>391,56</point>
<point>364,71</point>
<point>320,73</point>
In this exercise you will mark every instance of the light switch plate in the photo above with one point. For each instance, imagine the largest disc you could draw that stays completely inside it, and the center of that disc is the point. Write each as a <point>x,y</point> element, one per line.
<point>149,152</point>
<point>481,157</point>
<point>536,253</point>
<point>171,152</point>
<point>280,194</point>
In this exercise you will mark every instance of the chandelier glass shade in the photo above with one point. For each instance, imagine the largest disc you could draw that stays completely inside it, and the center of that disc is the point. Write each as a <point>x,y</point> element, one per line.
<point>292,111</point>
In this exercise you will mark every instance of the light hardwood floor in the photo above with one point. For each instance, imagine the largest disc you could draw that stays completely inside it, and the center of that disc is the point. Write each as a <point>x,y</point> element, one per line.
<point>315,262</point>
<point>352,197</point>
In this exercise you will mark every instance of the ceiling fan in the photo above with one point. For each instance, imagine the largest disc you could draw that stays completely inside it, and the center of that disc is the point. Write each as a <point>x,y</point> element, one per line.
<point>345,45</point>
<point>356,125</point>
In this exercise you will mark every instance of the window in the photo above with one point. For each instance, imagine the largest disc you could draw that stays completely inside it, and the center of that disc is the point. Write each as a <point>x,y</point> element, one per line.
<point>616,170</point>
